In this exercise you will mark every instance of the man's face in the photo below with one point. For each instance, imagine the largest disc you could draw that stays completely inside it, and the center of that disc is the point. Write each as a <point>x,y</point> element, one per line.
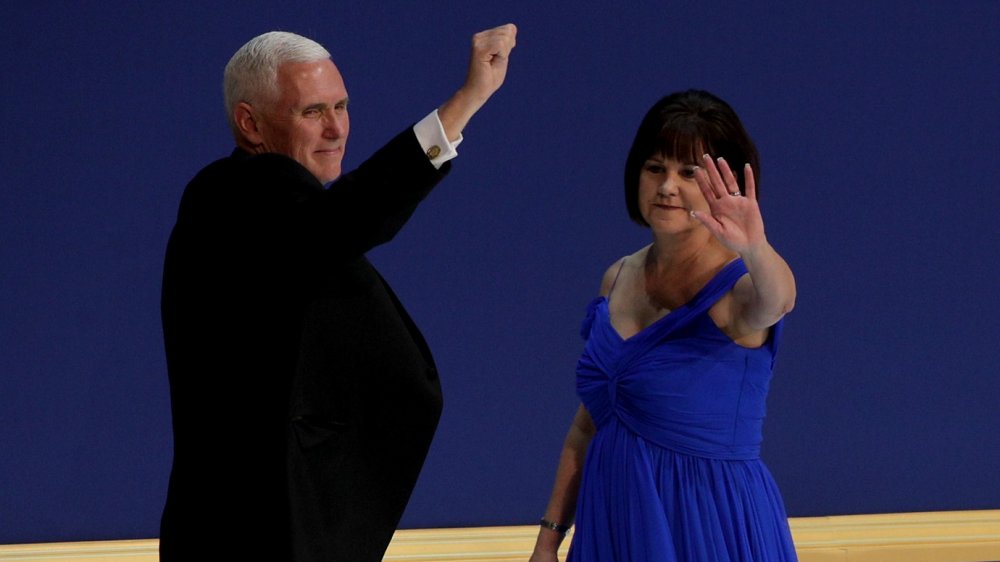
<point>308,122</point>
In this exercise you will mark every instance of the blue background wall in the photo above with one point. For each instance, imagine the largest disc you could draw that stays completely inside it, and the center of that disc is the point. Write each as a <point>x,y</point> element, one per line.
<point>877,124</point>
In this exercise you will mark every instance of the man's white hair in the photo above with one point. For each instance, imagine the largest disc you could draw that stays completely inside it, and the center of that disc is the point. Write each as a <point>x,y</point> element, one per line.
<point>251,76</point>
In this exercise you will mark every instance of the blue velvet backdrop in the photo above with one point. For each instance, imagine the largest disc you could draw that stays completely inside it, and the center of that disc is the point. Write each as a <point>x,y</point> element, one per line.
<point>877,123</point>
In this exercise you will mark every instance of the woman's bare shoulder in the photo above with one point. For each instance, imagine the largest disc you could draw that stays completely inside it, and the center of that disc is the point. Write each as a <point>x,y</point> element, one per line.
<point>614,270</point>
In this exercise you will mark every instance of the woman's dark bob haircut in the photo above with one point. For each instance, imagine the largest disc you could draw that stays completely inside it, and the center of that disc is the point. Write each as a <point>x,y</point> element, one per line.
<point>684,126</point>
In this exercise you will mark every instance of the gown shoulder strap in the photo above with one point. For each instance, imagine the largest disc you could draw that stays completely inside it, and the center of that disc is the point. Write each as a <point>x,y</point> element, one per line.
<point>617,275</point>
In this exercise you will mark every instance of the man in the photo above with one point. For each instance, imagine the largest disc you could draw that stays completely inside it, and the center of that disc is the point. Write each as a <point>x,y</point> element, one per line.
<point>304,398</point>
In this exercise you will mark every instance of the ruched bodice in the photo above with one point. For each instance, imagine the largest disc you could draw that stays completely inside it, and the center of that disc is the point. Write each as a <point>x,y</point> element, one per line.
<point>673,471</point>
<point>679,383</point>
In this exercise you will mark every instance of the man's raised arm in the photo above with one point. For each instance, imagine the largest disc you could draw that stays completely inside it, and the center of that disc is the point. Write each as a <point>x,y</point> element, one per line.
<point>487,70</point>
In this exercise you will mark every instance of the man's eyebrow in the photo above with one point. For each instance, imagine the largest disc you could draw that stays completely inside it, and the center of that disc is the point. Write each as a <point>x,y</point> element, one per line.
<point>322,105</point>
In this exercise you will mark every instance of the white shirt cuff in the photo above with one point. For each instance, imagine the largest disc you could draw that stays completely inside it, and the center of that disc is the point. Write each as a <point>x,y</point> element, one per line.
<point>430,135</point>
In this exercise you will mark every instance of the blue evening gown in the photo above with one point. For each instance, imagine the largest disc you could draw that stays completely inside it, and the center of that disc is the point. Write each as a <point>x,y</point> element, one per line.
<point>673,472</point>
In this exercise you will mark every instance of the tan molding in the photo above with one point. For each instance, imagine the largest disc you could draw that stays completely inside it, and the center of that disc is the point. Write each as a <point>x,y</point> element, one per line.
<point>93,551</point>
<point>949,536</point>
<point>942,536</point>
<point>472,544</point>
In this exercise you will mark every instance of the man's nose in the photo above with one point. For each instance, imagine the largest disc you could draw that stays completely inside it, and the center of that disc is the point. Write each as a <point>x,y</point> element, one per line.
<point>334,125</point>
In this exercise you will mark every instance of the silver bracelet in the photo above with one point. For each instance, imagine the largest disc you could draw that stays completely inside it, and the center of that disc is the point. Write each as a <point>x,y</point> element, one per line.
<point>561,529</point>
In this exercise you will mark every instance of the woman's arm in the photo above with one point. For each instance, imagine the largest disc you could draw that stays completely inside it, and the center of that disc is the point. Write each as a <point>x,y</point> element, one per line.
<point>769,291</point>
<point>562,504</point>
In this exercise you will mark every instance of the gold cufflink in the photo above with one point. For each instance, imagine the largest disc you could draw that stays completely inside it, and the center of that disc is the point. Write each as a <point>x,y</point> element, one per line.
<point>433,152</point>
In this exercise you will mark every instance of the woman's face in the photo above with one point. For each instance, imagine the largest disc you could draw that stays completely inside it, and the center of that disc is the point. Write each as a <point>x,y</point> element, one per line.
<point>668,193</point>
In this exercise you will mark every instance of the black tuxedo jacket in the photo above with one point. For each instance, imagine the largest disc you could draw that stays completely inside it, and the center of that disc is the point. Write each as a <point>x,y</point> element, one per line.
<point>304,398</point>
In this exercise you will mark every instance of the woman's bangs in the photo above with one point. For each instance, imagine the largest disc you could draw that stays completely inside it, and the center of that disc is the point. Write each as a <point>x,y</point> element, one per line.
<point>683,144</point>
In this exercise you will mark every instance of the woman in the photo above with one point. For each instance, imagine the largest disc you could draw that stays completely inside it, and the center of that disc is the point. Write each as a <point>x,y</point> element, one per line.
<point>662,459</point>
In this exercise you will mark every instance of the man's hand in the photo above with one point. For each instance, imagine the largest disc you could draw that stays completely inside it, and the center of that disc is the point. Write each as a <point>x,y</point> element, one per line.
<point>487,70</point>
<point>488,62</point>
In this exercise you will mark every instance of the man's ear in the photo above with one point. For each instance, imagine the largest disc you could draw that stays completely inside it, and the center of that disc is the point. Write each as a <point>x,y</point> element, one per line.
<point>246,123</point>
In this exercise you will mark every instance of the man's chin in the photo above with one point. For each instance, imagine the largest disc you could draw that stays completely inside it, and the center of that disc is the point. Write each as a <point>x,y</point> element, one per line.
<point>327,175</point>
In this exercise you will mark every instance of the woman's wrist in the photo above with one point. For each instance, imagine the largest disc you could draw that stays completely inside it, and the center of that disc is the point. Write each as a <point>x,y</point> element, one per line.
<point>552,526</point>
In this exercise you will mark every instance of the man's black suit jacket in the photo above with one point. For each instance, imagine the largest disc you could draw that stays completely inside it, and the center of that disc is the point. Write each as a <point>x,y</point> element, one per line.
<point>304,398</point>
